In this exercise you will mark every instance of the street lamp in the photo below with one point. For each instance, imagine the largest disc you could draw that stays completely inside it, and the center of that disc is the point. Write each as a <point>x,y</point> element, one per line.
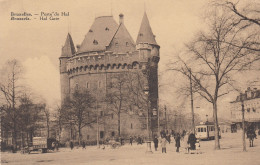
<point>175,125</point>
<point>243,122</point>
<point>149,149</point>
<point>71,130</point>
<point>207,117</point>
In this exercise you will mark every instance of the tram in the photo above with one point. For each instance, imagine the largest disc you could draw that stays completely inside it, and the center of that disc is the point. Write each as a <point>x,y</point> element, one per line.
<point>205,131</point>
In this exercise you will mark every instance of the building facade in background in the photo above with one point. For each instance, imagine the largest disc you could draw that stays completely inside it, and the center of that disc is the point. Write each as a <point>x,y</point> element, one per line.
<point>251,99</point>
<point>108,50</point>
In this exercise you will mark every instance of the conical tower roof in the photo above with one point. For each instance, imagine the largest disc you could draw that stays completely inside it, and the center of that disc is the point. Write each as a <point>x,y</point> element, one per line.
<point>68,49</point>
<point>145,34</point>
<point>99,35</point>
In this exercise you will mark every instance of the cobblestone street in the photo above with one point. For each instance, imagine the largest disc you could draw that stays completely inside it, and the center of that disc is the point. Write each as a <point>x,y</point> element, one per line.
<point>230,154</point>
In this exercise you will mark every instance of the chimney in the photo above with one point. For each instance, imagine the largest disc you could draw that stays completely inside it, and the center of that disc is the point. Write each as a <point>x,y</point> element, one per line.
<point>121,18</point>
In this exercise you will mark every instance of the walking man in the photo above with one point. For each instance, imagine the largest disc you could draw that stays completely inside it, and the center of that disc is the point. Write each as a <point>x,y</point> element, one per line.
<point>178,142</point>
<point>155,141</point>
<point>131,140</point>
<point>83,145</point>
<point>71,145</point>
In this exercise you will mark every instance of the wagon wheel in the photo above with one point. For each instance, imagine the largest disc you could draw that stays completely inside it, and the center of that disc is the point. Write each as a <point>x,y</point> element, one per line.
<point>113,145</point>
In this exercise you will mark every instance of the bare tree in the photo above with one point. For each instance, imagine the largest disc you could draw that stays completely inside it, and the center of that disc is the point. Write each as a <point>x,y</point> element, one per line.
<point>29,117</point>
<point>116,96</point>
<point>213,60</point>
<point>46,111</point>
<point>247,19</point>
<point>79,110</point>
<point>58,120</point>
<point>10,88</point>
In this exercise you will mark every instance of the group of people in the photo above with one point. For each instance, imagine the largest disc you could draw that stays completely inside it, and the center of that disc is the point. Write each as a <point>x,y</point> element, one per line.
<point>190,141</point>
<point>55,145</point>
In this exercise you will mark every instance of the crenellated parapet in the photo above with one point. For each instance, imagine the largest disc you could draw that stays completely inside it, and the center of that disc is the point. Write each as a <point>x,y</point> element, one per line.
<point>104,62</point>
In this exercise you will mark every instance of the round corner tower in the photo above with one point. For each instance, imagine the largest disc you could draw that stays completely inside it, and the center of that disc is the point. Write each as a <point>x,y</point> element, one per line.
<point>107,50</point>
<point>148,47</point>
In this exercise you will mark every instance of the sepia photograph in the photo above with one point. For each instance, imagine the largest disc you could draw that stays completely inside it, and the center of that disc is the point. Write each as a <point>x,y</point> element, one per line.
<point>130,82</point>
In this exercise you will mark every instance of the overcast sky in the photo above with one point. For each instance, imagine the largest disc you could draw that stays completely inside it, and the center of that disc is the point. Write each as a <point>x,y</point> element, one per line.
<point>37,44</point>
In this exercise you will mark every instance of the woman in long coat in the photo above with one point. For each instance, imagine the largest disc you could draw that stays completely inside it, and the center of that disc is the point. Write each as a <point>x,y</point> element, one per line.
<point>178,142</point>
<point>155,141</point>
<point>192,140</point>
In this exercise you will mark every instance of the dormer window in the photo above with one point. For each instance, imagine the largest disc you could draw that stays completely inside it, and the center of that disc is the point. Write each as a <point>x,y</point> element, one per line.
<point>107,29</point>
<point>116,44</point>
<point>95,42</point>
<point>127,44</point>
<point>90,30</point>
<point>141,34</point>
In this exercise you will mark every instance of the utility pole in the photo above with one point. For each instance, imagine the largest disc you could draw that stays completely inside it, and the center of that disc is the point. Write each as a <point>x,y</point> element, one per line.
<point>165,113</point>
<point>191,100</point>
<point>98,146</point>
<point>243,122</point>
<point>158,111</point>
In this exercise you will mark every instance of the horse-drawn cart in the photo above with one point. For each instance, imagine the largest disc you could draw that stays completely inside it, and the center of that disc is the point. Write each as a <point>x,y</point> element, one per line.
<point>114,144</point>
<point>40,144</point>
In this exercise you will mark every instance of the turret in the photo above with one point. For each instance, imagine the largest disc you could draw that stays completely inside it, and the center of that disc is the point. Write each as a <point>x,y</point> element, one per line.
<point>146,40</point>
<point>149,51</point>
<point>67,51</point>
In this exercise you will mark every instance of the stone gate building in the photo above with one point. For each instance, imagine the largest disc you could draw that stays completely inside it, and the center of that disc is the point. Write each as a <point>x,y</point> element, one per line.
<point>108,49</point>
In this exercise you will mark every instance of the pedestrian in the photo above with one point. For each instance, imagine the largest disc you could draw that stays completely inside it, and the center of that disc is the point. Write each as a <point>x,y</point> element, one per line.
<point>53,146</point>
<point>178,142</point>
<point>169,138</point>
<point>198,147</point>
<point>71,145</point>
<point>57,145</point>
<point>12,148</point>
<point>139,140</point>
<point>191,141</point>
<point>83,145</point>
<point>155,141</point>
<point>131,140</point>
<point>163,144</point>
<point>185,141</point>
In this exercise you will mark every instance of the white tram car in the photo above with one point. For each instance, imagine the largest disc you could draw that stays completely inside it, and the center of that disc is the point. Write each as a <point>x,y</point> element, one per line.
<point>205,131</point>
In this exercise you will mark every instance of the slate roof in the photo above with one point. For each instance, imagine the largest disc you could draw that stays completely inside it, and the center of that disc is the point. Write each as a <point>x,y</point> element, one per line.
<point>145,34</point>
<point>99,35</point>
<point>122,41</point>
<point>68,49</point>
